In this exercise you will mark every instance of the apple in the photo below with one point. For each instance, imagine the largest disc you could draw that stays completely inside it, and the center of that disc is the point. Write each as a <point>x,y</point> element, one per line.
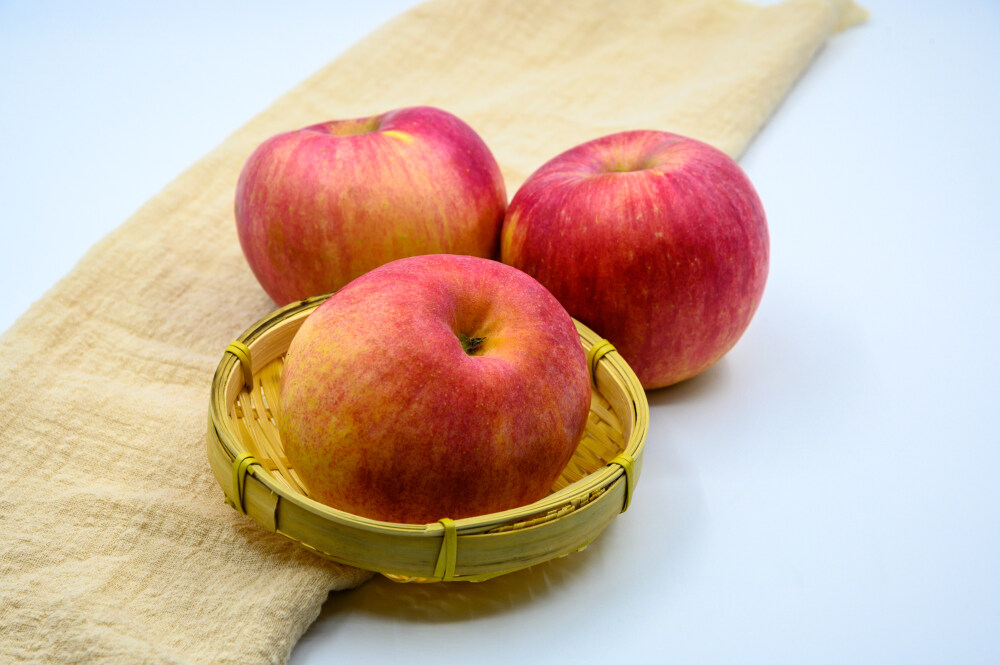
<point>656,241</point>
<point>434,386</point>
<point>319,206</point>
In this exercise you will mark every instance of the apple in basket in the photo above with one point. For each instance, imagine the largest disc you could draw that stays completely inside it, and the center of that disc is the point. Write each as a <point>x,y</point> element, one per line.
<point>656,241</point>
<point>431,387</point>
<point>319,206</point>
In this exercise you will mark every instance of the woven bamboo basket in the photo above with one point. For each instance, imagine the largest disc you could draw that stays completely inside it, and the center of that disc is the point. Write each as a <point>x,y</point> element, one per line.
<point>247,458</point>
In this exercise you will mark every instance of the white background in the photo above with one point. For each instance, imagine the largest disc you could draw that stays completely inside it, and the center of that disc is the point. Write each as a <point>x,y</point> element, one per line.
<point>826,494</point>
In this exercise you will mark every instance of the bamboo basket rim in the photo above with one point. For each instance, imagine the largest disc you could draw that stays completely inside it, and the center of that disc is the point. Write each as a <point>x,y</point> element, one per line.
<point>610,369</point>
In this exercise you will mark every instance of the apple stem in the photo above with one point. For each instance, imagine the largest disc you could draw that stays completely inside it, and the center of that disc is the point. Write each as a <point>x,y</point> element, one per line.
<point>470,344</point>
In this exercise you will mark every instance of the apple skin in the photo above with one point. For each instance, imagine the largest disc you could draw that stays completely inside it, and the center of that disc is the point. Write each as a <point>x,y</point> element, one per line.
<point>385,415</point>
<point>319,206</point>
<point>656,241</point>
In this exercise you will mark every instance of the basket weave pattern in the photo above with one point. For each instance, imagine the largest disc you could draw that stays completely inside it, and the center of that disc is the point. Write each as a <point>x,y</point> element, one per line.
<point>593,488</point>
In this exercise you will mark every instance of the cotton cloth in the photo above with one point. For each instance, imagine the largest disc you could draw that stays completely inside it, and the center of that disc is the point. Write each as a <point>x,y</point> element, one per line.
<point>115,544</point>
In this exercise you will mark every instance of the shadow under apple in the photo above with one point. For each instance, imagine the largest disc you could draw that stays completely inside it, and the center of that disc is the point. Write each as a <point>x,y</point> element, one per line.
<point>713,380</point>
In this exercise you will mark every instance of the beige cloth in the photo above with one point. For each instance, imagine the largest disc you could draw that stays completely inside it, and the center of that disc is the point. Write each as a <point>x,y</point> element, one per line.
<point>115,544</point>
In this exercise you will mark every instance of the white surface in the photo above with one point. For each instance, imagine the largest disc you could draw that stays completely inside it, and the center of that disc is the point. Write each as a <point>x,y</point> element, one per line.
<point>826,494</point>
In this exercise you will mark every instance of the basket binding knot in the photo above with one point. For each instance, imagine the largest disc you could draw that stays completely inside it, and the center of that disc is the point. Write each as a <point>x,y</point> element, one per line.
<point>242,352</point>
<point>627,463</point>
<point>445,568</point>
<point>241,467</point>
<point>594,354</point>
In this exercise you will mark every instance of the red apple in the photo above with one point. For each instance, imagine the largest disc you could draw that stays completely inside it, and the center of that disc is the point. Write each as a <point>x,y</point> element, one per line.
<point>434,386</point>
<point>656,241</point>
<point>317,207</point>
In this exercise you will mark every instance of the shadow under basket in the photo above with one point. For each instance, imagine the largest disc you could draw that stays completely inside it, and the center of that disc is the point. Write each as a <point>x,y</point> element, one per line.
<point>248,460</point>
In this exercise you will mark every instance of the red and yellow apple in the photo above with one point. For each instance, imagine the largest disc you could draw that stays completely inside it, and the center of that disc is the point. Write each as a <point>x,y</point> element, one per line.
<point>434,386</point>
<point>656,241</point>
<point>319,206</point>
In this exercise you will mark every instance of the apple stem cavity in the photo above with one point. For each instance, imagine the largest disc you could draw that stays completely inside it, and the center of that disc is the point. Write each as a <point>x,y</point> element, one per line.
<point>470,344</point>
<point>627,165</point>
<point>354,127</point>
